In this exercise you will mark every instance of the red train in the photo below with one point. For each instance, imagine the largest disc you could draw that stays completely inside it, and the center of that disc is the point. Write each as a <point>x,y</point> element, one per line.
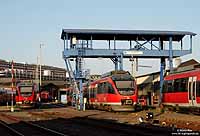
<point>182,89</point>
<point>45,96</point>
<point>115,91</point>
<point>6,96</point>
<point>26,94</point>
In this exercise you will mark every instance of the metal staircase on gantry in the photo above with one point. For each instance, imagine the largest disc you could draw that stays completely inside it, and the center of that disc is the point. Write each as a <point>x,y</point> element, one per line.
<point>77,76</point>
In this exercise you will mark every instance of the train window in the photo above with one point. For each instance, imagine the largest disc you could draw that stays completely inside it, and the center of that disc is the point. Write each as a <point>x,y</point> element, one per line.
<point>92,93</point>
<point>164,89</point>
<point>198,88</point>
<point>180,85</point>
<point>110,89</point>
<point>124,84</point>
<point>95,92</point>
<point>184,85</point>
<point>170,86</point>
<point>125,87</point>
<point>105,87</point>
<point>100,87</point>
<point>177,83</point>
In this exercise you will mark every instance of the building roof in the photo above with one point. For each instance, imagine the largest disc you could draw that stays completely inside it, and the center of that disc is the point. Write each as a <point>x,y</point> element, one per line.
<point>100,34</point>
<point>188,63</point>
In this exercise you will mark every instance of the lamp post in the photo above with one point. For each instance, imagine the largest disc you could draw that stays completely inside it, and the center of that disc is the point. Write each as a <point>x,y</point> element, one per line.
<point>134,61</point>
<point>40,60</point>
<point>12,67</point>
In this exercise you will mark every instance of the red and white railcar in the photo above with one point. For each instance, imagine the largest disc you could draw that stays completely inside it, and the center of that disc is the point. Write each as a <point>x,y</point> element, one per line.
<point>182,89</point>
<point>26,94</point>
<point>115,91</point>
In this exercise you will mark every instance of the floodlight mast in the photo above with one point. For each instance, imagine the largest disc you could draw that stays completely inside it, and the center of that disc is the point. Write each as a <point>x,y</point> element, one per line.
<point>134,64</point>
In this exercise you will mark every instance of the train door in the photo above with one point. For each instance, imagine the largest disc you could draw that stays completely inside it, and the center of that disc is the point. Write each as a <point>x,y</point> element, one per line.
<point>192,91</point>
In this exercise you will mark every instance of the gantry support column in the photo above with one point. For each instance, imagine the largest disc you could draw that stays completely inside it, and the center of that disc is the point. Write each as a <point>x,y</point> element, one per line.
<point>65,41</point>
<point>72,81</point>
<point>77,67</point>
<point>79,96</point>
<point>116,63</point>
<point>162,69</point>
<point>81,93</point>
<point>190,43</point>
<point>121,62</point>
<point>170,55</point>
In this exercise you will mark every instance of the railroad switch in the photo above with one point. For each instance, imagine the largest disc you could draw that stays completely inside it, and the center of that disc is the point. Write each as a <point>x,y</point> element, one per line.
<point>149,116</point>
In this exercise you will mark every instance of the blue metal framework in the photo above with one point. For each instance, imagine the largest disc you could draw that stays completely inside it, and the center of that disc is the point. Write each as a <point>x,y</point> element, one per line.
<point>78,44</point>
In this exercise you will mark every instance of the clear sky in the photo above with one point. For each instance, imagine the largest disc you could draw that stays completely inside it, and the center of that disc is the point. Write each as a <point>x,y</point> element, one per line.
<point>25,24</point>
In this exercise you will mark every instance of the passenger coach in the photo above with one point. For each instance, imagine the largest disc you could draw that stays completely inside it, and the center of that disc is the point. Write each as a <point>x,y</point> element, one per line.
<point>182,89</point>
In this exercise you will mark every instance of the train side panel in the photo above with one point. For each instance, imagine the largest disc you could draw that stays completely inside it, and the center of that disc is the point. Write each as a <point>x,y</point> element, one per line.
<point>183,89</point>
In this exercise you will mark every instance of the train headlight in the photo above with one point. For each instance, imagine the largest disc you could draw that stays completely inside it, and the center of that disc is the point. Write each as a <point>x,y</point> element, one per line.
<point>129,102</point>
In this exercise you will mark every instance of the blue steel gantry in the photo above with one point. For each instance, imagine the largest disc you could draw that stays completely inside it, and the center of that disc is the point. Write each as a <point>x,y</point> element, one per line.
<point>78,44</point>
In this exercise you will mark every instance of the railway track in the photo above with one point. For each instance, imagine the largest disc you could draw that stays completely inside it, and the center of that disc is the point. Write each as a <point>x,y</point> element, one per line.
<point>125,129</point>
<point>24,128</point>
<point>52,105</point>
<point>94,127</point>
<point>86,125</point>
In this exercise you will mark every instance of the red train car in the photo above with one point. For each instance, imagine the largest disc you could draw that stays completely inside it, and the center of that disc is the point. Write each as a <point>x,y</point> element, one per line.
<point>116,91</point>
<point>6,96</point>
<point>45,97</point>
<point>182,89</point>
<point>69,96</point>
<point>25,94</point>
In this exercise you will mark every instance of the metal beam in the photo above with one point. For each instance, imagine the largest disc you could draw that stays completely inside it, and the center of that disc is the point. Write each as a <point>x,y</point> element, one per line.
<point>121,62</point>
<point>91,41</point>
<point>191,43</point>
<point>162,69</point>
<point>68,69</point>
<point>116,63</point>
<point>139,45</point>
<point>105,53</point>
<point>181,44</point>
<point>170,55</point>
<point>114,43</point>
<point>109,44</point>
<point>81,94</point>
<point>64,42</point>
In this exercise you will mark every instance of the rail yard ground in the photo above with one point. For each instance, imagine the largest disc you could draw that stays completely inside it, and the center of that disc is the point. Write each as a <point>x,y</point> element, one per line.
<point>68,121</point>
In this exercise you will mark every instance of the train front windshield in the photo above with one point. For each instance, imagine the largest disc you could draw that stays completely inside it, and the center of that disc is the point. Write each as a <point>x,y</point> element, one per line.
<point>26,90</point>
<point>125,87</point>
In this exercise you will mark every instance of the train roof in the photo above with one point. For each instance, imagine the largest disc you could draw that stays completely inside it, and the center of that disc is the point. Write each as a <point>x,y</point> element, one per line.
<point>115,72</point>
<point>183,73</point>
<point>118,75</point>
